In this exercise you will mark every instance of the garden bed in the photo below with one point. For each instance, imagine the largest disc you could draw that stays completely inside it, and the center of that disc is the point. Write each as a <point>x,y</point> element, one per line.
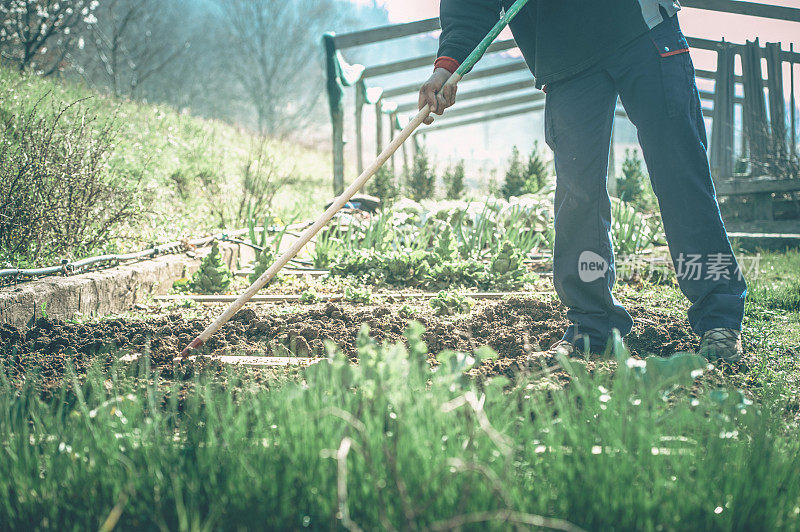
<point>514,327</point>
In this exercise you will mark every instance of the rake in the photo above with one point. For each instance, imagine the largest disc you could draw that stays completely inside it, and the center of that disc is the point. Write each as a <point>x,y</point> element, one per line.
<point>342,200</point>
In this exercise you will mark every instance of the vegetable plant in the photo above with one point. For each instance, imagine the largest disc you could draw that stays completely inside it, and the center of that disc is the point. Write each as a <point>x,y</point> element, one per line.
<point>449,303</point>
<point>214,276</point>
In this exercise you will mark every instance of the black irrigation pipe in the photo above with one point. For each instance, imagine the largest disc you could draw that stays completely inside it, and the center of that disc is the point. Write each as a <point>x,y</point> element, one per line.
<point>16,275</point>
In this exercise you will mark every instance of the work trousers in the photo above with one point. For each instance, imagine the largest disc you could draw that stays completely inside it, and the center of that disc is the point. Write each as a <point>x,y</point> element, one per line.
<point>653,76</point>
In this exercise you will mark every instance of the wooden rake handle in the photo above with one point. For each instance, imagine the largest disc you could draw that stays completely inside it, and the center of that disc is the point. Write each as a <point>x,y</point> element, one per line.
<point>309,233</point>
<point>340,202</point>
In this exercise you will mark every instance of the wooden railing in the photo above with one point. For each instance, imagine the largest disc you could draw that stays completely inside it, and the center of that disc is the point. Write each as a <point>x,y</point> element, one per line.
<point>532,100</point>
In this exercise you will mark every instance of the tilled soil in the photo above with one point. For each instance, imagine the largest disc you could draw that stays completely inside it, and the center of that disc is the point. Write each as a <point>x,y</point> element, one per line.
<point>514,327</point>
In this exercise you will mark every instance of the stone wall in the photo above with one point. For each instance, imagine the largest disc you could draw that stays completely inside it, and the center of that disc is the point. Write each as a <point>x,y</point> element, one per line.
<point>99,292</point>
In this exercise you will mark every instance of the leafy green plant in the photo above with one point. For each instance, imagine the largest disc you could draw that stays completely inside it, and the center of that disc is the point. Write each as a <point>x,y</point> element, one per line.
<point>264,259</point>
<point>507,270</point>
<point>325,248</point>
<point>358,295</point>
<point>633,231</point>
<point>339,240</point>
<point>266,252</point>
<point>214,276</point>
<point>406,311</point>
<point>422,178</point>
<point>453,179</point>
<point>419,269</point>
<point>181,285</point>
<point>450,303</point>
<point>309,296</point>
<point>446,247</point>
<point>441,258</point>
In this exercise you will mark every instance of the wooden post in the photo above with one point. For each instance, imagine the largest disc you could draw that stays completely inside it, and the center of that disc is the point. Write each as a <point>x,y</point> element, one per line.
<point>405,165</point>
<point>337,119</point>
<point>721,152</point>
<point>792,102</point>
<point>359,126</point>
<point>392,119</point>
<point>379,126</point>
<point>335,96</point>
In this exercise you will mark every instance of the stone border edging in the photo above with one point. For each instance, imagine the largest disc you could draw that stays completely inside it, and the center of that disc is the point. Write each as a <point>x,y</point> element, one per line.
<point>99,292</point>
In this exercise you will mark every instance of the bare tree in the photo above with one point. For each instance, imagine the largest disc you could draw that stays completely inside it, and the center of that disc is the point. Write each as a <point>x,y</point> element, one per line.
<point>132,41</point>
<point>274,54</point>
<point>38,34</point>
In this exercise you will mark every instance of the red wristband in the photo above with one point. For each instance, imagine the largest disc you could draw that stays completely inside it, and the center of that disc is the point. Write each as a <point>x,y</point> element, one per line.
<point>447,63</point>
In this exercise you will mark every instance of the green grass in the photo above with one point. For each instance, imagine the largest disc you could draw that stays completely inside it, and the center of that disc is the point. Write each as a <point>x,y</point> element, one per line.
<point>391,444</point>
<point>170,150</point>
<point>771,328</point>
<point>777,284</point>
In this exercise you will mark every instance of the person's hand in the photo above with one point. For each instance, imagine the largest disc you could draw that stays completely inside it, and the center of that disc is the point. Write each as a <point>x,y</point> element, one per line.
<point>432,93</point>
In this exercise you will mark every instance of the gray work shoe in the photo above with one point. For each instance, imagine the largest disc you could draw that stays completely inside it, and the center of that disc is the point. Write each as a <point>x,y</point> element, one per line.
<point>537,360</point>
<point>721,344</point>
<point>561,347</point>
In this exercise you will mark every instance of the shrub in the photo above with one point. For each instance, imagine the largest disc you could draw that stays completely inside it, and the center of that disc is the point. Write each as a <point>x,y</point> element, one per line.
<point>58,195</point>
<point>384,186</point>
<point>213,277</point>
<point>453,179</point>
<point>634,185</point>
<point>262,179</point>
<point>422,178</point>
<point>537,171</point>
<point>629,186</point>
<point>516,177</point>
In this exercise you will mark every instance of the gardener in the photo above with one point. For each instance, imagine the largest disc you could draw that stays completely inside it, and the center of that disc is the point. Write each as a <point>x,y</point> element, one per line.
<point>584,55</point>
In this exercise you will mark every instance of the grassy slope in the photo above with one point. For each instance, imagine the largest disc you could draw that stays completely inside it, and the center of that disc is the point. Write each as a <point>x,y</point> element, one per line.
<point>159,142</point>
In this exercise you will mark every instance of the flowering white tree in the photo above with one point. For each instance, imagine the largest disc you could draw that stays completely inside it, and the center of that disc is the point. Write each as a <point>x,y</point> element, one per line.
<point>38,34</point>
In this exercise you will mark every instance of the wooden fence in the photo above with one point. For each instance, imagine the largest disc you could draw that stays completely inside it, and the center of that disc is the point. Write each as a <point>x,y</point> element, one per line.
<point>526,98</point>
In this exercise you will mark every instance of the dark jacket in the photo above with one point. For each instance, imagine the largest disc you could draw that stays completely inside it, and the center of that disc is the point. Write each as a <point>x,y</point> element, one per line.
<point>558,38</point>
